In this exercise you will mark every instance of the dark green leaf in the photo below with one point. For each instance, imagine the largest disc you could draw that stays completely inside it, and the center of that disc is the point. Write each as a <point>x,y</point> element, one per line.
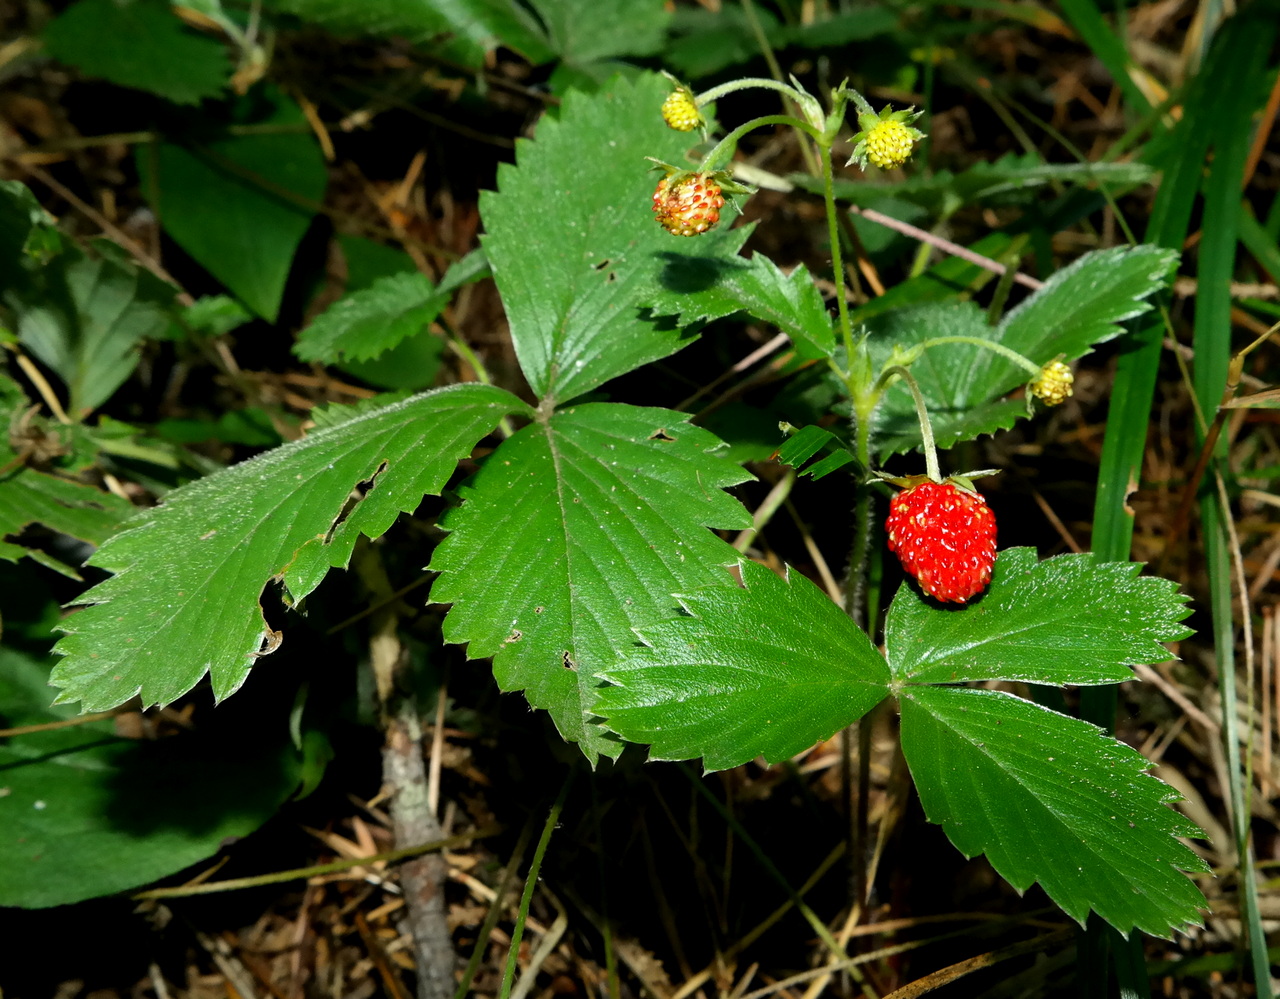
<point>240,205</point>
<point>89,814</point>
<point>19,211</point>
<point>465,30</point>
<point>809,441</point>
<point>765,670</point>
<point>943,193</point>
<point>964,385</point>
<point>1073,619</point>
<point>719,287</point>
<point>575,249</point>
<point>214,315</point>
<point>364,324</point>
<point>31,497</point>
<point>708,41</point>
<point>1053,800</point>
<point>1084,303</point>
<point>575,530</point>
<point>84,317</point>
<point>141,44</point>
<point>190,575</point>
<point>582,31</point>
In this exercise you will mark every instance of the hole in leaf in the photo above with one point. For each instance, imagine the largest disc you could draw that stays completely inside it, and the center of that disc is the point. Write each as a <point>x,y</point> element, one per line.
<point>661,435</point>
<point>569,663</point>
<point>357,495</point>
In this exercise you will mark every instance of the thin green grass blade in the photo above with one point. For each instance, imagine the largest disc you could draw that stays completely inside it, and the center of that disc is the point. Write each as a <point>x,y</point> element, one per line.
<point>1212,342</point>
<point>1260,242</point>
<point>1230,70</point>
<point>531,883</point>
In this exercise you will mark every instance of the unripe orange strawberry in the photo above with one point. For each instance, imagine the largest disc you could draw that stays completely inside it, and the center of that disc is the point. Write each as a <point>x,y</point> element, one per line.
<point>945,537</point>
<point>687,204</point>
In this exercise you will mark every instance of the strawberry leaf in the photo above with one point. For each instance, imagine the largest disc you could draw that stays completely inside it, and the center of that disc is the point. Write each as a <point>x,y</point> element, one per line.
<point>809,441</point>
<point>577,528</point>
<point>1053,800</point>
<point>576,252</point>
<point>73,508</point>
<point>1073,619</point>
<point>366,323</point>
<point>584,31</point>
<point>767,670</point>
<point>189,575</point>
<point>712,287</point>
<point>965,385</point>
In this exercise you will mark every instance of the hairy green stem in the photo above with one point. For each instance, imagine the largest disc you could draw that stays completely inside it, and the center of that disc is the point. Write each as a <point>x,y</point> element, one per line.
<point>746,83</point>
<point>837,261</point>
<point>730,141</point>
<point>926,428</point>
<point>1023,362</point>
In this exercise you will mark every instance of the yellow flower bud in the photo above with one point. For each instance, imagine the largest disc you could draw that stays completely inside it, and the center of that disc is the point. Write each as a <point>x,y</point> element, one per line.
<point>1053,384</point>
<point>680,111</point>
<point>889,144</point>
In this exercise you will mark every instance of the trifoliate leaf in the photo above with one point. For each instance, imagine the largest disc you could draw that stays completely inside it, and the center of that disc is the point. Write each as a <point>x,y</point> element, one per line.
<point>1072,619</point>
<point>946,374</point>
<point>577,528</point>
<point>1053,800</point>
<point>767,670</point>
<point>575,249</point>
<point>141,44</point>
<point>964,385</point>
<point>189,577</point>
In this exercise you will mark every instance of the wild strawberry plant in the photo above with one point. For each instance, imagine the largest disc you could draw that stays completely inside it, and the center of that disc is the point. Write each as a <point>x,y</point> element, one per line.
<point>582,557</point>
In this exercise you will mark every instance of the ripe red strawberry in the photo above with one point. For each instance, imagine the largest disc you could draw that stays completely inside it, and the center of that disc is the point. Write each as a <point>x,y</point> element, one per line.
<point>689,205</point>
<point>945,536</point>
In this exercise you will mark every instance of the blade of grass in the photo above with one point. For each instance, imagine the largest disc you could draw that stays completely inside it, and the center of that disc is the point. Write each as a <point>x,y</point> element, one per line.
<point>1212,343</point>
<point>1259,242</point>
<point>495,910</point>
<point>1232,67</point>
<point>531,882</point>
